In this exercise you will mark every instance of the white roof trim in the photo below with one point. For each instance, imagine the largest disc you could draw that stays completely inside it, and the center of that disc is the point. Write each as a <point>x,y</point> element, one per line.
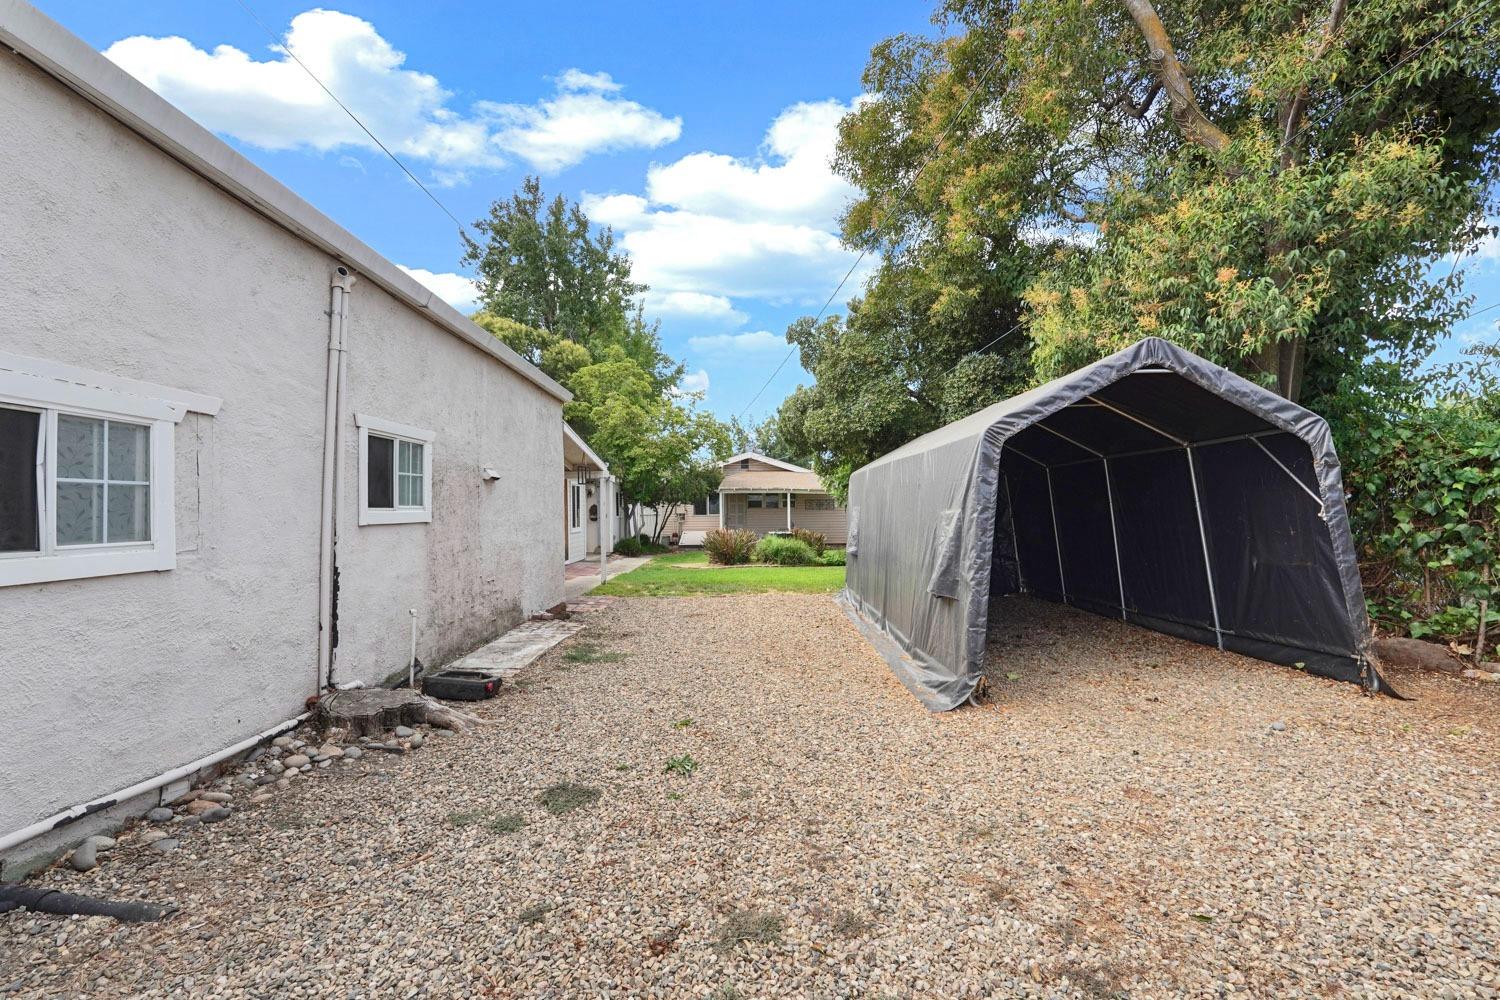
<point>70,60</point>
<point>788,466</point>
<point>572,435</point>
<point>79,386</point>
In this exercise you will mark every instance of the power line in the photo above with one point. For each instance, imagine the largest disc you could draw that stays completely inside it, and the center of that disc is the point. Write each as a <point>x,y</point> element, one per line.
<point>1339,105</point>
<point>937,143</point>
<point>275,41</point>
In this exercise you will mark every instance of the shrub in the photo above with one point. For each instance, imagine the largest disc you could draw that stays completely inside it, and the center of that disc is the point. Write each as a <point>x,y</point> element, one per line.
<point>628,546</point>
<point>784,551</point>
<point>816,540</point>
<point>834,557</point>
<point>729,547</point>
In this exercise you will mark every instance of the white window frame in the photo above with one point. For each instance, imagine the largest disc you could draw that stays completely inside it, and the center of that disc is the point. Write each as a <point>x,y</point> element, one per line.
<point>398,432</point>
<point>575,509</point>
<point>52,388</point>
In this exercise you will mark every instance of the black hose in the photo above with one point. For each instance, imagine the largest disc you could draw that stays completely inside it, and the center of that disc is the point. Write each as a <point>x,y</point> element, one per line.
<point>15,894</point>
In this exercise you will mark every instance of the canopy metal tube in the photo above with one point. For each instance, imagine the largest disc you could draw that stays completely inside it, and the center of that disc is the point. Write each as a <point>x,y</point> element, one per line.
<point>1062,578</point>
<point>1114,534</point>
<point>1208,569</point>
<point>1282,465</point>
<point>1015,540</point>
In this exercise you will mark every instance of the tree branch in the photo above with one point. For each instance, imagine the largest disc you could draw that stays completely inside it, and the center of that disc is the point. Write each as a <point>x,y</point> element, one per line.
<point>1173,77</point>
<point>1138,111</point>
<point>1299,102</point>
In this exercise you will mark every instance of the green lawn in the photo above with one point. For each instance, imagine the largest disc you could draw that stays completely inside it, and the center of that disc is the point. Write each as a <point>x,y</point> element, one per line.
<point>688,574</point>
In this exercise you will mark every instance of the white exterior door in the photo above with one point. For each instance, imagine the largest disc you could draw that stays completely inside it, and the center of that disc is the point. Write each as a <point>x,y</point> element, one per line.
<point>577,533</point>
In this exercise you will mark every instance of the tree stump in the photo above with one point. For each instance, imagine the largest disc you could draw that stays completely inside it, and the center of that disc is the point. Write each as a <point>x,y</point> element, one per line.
<point>373,711</point>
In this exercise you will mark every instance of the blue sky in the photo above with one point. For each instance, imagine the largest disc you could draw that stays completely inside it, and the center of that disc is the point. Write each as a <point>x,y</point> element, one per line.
<point>701,132</point>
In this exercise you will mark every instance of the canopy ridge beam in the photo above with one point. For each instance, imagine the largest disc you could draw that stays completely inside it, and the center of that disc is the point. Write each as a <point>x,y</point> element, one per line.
<point>1166,448</point>
<point>1062,578</point>
<point>1035,461</point>
<point>1290,475</point>
<point>1114,534</point>
<point>1208,569</point>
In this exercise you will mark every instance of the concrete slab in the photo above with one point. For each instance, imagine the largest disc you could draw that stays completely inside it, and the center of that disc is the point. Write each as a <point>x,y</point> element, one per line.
<point>518,648</point>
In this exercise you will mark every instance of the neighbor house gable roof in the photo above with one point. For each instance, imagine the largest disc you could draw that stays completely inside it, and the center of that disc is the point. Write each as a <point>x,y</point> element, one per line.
<point>757,456</point>
<point>770,481</point>
<point>70,60</point>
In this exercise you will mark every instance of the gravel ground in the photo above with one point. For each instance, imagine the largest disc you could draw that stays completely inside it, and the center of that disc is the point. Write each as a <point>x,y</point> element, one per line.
<point>1122,820</point>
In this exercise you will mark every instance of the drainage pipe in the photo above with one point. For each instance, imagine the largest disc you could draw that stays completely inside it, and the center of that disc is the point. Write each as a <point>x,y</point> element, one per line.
<point>338,312</point>
<point>67,816</point>
<point>52,901</point>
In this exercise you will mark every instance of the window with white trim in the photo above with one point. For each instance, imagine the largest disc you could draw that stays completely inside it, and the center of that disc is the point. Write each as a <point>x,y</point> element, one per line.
<point>86,472</point>
<point>576,507</point>
<point>395,472</point>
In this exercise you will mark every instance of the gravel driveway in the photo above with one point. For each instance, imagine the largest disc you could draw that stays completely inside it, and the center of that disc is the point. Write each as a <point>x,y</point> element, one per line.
<point>1122,820</point>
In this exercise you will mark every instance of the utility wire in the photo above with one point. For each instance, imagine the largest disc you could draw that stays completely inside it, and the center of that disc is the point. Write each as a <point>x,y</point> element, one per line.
<point>937,143</point>
<point>277,43</point>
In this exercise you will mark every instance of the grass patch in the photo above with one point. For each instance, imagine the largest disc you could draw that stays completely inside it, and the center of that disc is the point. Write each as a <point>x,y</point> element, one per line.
<point>460,820</point>
<point>688,574</point>
<point>588,652</point>
<point>506,823</point>
<point>683,764</point>
<point>756,926</point>
<point>563,798</point>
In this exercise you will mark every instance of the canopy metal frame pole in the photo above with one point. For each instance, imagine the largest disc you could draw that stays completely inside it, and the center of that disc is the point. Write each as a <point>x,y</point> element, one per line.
<point>1062,578</point>
<point>1114,533</point>
<point>1015,539</point>
<point>1208,569</point>
<point>1282,466</point>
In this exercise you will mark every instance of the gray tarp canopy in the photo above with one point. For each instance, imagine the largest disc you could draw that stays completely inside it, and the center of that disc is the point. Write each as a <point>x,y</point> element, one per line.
<point>1152,486</point>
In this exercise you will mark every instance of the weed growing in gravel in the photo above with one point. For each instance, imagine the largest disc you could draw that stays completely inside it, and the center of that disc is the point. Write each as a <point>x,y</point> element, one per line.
<point>566,796</point>
<point>463,819</point>
<point>683,764</point>
<point>726,992</point>
<point>534,914</point>
<point>757,926</point>
<point>849,924</point>
<point>622,767</point>
<point>506,823</point>
<point>588,652</point>
<point>682,723</point>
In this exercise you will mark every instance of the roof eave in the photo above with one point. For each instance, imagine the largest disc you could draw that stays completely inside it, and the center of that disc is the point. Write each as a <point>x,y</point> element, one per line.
<point>69,60</point>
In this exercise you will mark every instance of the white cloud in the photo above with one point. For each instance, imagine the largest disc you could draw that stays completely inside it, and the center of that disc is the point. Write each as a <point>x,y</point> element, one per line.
<point>273,104</point>
<point>455,289</point>
<point>694,305</point>
<point>727,227</point>
<point>731,345</point>
<point>694,382</point>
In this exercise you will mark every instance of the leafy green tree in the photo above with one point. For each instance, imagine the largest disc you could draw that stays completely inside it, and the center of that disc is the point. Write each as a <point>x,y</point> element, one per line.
<point>1263,182</point>
<point>561,295</point>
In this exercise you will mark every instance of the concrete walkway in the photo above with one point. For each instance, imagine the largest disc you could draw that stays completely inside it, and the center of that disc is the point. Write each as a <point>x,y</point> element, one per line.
<point>578,581</point>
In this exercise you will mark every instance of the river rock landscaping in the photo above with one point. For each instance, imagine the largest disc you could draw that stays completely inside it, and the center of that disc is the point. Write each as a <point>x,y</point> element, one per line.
<point>1128,815</point>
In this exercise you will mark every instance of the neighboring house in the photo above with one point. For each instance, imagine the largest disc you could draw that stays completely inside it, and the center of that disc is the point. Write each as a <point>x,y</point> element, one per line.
<point>591,500</point>
<point>239,449</point>
<point>763,495</point>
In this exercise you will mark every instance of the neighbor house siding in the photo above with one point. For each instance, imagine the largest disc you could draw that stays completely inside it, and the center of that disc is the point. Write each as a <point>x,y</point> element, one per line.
<point>834,524</point>
<point>116,258</point>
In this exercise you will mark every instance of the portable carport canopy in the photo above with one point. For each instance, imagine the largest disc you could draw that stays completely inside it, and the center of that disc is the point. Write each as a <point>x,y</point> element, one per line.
<point>1152,486</point>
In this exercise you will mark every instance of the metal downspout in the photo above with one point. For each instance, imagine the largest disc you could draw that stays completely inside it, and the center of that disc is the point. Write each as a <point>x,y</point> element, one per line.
<point>333,413</point>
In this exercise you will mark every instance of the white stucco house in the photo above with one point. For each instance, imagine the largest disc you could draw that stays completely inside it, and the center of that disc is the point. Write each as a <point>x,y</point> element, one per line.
<point>239,449</point>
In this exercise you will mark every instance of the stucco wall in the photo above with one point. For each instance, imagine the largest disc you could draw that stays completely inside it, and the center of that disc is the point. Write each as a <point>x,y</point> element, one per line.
<point>115,258</point>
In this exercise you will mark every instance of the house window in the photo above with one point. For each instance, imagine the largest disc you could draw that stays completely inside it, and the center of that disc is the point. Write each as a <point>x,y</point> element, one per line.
<point>773,501</point>
<point>576,507</point>
<point>86,472</point>
<point>791,500</point>
<point>708,505</point>
<point>395,472</point>
<point>744,463</point>
<point>753,500</point>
